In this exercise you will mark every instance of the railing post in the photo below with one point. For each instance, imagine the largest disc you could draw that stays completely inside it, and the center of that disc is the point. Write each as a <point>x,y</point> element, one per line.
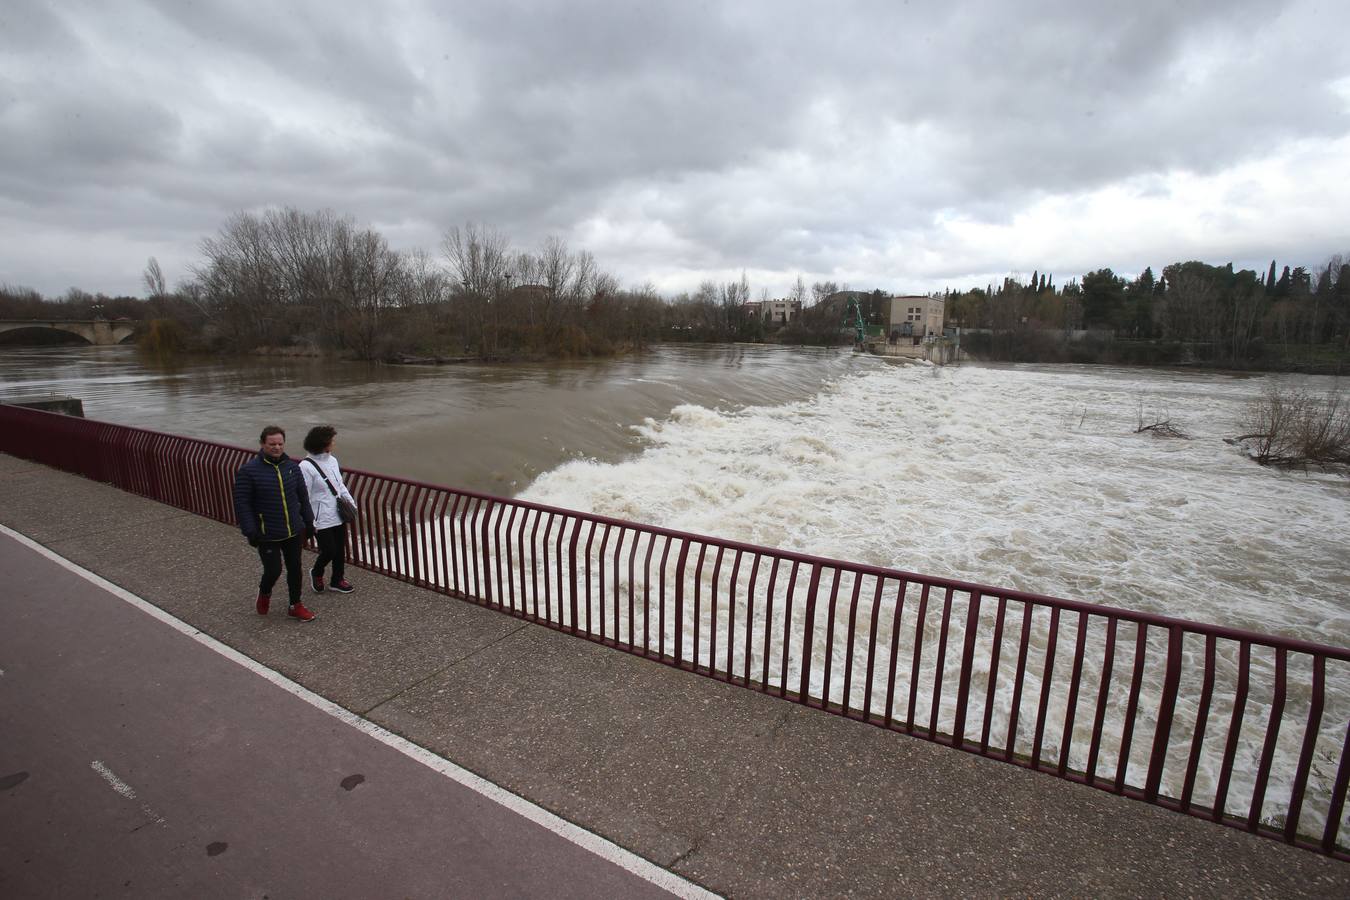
<point>679,601</point>
<point>487,553</point>
<point>572,570</point>
<point>967,661</point>
<point>1166,709</point>
<point>808,634</point>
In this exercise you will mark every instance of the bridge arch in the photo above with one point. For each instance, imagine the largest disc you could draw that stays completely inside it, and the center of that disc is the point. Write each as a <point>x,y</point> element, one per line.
<point>99,332</point>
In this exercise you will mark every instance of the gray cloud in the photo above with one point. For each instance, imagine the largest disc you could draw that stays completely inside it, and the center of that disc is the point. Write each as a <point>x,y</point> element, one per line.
<point>678,141</point>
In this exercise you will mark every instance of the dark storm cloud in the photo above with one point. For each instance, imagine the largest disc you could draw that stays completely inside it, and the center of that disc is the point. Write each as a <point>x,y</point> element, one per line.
<point>676,140</point>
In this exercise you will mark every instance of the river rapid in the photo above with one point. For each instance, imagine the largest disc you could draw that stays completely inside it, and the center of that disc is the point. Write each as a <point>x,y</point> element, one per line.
<point>1029,477</point>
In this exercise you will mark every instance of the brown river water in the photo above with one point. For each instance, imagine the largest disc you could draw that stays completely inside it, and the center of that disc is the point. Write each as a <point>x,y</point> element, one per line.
<point>491,428</point>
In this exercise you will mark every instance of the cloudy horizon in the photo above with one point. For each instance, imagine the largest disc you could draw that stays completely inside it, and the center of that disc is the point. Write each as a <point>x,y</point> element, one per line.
<point>909,147</point>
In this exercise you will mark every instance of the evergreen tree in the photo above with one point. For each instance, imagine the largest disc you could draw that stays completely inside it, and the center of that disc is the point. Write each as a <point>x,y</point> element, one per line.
<point>1138,317</point>
<point>1103,297</point>
<point>1282,286</point>
<point>1300,281</point>
<point>1324,279</point>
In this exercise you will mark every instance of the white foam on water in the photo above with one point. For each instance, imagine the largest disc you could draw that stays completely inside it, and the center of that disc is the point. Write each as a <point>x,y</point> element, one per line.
<point>1015,477</point>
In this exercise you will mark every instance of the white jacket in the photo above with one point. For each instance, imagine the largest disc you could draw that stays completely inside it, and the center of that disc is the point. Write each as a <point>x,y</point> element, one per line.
<point>321,499</point>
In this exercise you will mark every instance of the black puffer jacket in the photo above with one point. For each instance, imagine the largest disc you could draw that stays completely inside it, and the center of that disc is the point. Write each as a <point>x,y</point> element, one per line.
<point>270,500</point>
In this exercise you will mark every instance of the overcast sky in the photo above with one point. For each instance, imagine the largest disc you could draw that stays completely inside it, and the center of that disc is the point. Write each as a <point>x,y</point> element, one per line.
<point>904,146</point>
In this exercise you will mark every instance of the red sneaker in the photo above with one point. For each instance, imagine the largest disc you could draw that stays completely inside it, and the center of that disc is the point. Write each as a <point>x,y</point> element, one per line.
<point>316,582</point>
<point>264,601</point>
<point>298,611</point>
<point>342,587</point>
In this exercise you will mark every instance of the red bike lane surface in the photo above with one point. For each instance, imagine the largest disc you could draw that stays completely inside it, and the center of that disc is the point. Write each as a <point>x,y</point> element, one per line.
<point>135,760</point>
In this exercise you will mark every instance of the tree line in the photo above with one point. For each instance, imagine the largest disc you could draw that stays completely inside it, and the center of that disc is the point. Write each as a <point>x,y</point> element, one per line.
<point>319,282</point>
<point>1192,312</point>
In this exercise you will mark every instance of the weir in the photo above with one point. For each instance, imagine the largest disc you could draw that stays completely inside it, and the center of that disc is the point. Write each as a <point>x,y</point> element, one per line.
<point>1242,728</point>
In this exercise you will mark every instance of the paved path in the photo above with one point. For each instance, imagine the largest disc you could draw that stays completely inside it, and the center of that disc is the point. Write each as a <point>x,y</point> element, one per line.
<point>744,794</point>
<point>140,761</point>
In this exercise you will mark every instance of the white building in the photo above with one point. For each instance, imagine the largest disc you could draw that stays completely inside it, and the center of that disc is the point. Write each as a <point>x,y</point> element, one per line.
<point>774,312</point>
<point>914,316</point>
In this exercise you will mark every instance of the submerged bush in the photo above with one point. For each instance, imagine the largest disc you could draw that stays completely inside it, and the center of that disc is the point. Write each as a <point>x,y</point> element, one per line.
<point>1290,427</point>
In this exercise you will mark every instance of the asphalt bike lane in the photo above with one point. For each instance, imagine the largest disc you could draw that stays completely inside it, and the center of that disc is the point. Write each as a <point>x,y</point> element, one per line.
<point>140,757</point>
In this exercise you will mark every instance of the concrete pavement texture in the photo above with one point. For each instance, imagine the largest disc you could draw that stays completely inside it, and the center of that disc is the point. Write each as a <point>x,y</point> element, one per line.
<point>747,795</point>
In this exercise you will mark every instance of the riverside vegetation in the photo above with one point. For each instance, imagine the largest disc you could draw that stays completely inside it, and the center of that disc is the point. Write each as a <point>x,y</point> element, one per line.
<point>1292,428</point>
<point>291,281</point>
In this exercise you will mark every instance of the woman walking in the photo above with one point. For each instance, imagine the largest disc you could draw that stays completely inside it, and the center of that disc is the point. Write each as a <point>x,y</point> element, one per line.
<point>327,495</point>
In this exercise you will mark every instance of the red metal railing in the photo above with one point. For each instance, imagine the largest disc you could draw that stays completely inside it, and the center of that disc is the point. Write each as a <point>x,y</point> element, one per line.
<point>1246,729</point>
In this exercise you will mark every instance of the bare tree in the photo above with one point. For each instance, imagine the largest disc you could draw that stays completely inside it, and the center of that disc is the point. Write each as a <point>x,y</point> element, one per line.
<point>822,291</point>
<point>557,274</point>
<point>479,259</point>
<point>370,278</point>
<point>154,279</point>
<point>424,284</point>
<point>240,283</point>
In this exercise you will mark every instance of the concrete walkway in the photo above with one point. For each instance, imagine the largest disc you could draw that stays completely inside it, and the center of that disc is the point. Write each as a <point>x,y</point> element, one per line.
<point>744,794</point>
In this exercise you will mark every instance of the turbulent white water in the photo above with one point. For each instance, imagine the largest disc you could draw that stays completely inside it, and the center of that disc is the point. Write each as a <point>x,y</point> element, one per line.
<point>1019,477</point>
<point>1034,479</point>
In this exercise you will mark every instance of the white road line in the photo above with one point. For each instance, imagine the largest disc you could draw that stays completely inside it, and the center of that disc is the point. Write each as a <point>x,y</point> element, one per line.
<point>123,788</point>
<point>117,784</point>
<point>601,847</point>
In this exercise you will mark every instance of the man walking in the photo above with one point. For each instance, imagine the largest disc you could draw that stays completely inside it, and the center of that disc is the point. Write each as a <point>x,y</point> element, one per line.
<point>272,508</point>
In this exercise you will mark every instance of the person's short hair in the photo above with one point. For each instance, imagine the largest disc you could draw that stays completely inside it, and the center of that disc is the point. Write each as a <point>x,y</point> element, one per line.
<point>319,437</point>
<point>271,429</point>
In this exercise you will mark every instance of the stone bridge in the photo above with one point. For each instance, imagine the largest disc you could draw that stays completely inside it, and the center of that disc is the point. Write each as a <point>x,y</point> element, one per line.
<point>100,332</point>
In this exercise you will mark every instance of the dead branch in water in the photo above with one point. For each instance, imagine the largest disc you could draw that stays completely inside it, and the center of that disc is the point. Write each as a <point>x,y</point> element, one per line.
<point>1159,427</point>
<point>1162,429</point>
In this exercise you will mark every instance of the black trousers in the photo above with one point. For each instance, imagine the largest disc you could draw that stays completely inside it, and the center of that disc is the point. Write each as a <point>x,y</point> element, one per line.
<point>272,554</point>
<point>332,548</point>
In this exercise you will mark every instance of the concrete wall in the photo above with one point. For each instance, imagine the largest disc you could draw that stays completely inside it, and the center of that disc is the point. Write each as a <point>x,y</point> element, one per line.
<point>71,406</point>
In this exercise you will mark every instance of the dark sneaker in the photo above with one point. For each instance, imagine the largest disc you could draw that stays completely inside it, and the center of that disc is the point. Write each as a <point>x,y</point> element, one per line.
<point>298,611</point>
<point>264,602</point>
<point>317,582</point>
<point>342,587</point>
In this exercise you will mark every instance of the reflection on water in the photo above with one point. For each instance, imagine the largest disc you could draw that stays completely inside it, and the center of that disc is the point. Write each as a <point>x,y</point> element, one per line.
<point>484,427</point>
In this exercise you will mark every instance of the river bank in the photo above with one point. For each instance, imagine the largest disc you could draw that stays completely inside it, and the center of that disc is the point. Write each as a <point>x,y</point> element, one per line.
<point>1055,347</point>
